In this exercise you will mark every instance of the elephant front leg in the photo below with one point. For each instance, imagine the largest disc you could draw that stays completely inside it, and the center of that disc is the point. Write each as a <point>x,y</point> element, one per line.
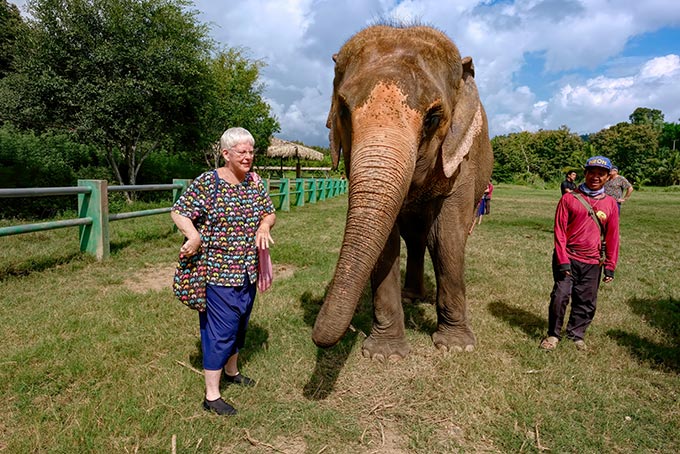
<point>454,332</point>
<point>387,339</point>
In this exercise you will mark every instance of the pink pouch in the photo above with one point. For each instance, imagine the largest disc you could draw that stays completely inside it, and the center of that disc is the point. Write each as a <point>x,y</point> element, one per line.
<point>265,271</point>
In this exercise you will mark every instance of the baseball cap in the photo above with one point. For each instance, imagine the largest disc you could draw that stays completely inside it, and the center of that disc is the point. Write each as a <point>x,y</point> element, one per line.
<point>599,161</point>
<point>615,168</point>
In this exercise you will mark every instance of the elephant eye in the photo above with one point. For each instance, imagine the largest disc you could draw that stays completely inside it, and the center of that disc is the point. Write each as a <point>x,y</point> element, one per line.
<point>431,122</point>
<point>343,110</point>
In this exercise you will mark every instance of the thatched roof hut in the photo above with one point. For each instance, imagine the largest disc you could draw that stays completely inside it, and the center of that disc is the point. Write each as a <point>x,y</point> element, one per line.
<point>284,149</point>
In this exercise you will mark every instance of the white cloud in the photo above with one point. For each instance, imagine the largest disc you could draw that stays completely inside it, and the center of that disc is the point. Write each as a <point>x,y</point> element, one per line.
<point>661,67</point>
<point>602,101</point>
<point>581,80</point>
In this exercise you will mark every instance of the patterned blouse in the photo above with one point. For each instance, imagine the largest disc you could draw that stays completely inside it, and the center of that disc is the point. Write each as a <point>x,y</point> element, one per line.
<point>617,187</point>
<point>227,218</point>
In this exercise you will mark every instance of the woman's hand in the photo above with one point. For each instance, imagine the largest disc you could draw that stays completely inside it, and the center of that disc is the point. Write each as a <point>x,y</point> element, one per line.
<point>263,235</point>
<point>186,226</point>
<point>191,246</point>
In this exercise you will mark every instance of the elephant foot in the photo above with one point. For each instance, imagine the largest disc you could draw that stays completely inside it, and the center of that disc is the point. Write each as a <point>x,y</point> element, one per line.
<point>384,349</point>
<point>454,340</point>
<point>410,295</point>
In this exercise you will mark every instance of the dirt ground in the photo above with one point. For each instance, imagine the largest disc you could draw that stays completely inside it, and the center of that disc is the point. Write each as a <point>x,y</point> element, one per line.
<point>156,278</point>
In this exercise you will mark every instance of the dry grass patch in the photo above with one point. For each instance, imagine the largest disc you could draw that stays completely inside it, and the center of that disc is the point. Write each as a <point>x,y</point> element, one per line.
<point>159,277</point>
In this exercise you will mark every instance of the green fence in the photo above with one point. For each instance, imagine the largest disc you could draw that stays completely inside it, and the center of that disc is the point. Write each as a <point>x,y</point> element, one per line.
<point>93,205</point>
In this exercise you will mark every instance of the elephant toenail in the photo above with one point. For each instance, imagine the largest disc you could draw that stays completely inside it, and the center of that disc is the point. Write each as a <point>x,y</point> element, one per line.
<point>469,348</point>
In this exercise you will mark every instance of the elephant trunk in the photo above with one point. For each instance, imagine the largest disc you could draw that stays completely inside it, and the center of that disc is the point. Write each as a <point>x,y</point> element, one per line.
<point>382,165</point>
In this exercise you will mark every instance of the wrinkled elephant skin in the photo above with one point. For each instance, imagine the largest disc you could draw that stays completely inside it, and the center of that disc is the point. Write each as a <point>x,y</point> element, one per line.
<point>406,118</point>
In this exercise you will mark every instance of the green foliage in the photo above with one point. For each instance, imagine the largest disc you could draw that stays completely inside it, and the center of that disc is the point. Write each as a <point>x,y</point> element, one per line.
<point>646,116</point>
<point>10,27</point>
<point>632,147</point>
<point>163,167</point>
<point>46,160</point>
<point>544,155</point>
<point>645,150</point>
<point>234,99</point>
<point>512,156</point>
<point>133,77</point>
<point>123,74</point>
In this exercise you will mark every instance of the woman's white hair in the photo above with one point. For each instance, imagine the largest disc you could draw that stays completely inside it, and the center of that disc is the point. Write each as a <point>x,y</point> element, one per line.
<point>235,136</point>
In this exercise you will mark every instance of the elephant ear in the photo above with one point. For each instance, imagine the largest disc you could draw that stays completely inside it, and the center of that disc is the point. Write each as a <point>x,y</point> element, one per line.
<point>466,123</point>
<point>333,136</point>
<point>332,125</point>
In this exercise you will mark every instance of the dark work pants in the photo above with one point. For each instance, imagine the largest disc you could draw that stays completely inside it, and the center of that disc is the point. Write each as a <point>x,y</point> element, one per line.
<point>582,288</point>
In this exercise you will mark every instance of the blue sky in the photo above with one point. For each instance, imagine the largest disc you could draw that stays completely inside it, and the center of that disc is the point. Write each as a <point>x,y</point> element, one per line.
<point>540,64</point>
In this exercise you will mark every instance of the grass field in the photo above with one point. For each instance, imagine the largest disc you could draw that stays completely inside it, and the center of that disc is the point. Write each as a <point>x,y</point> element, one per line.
<point>99,357</point>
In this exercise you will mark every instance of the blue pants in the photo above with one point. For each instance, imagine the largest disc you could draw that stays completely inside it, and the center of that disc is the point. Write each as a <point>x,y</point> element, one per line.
<point>224,322</point>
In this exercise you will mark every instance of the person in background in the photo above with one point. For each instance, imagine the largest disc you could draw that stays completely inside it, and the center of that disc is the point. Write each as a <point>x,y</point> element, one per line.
<point>617,185</point>
<point>242,216</point>
<point>483,207</point>
<point>568,184</point>
<point>487,197</point>
<point>580,255</point>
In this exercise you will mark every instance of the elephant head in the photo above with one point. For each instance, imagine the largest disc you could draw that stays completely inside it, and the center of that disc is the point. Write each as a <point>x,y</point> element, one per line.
<point>406,117</point>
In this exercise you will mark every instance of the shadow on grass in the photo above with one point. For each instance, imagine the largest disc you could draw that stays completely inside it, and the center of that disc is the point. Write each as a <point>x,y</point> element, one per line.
<point>38,264</point>
<point>330,361</point>
<point>663,314</point>
<point>414,314</point>
<point>415,318</point>
<point>533,325</point>
<point>142,236</point>
<point>31,265</point>
<point>256,340</point>
<point>429,285</point>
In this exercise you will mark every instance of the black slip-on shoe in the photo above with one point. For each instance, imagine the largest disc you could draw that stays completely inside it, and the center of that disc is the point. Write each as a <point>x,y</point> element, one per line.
<point>239,379</point>
<point>219,406</point>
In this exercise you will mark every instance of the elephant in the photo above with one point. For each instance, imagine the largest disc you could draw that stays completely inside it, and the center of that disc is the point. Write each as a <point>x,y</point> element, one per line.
<point>407,119</point>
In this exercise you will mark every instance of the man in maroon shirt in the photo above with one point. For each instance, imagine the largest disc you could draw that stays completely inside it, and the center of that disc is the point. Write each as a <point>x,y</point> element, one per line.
<point>580,254</point>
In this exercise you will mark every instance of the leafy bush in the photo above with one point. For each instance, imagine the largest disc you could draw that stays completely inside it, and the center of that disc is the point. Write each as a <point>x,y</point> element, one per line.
<point>48,160</point>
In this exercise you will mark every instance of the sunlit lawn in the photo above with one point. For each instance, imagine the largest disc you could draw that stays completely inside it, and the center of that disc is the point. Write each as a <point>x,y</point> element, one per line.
<point>99,357</point>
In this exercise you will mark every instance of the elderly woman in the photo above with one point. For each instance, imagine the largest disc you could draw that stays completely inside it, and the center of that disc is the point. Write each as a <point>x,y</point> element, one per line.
<point>238,216</point>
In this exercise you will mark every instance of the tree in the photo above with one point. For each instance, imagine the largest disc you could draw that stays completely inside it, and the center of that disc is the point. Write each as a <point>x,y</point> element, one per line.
<point>557,151</point>
<point>235,99</point>
<point>124,74</point>
<point>668,164</point>
<point>514,156</point>
<point>543,155</point>
<point>10,27</point>
<point>632,147</point>
<point>646,116</point>
<point>670,136</point>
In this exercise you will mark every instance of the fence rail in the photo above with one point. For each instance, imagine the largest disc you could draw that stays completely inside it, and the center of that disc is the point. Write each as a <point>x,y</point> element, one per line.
<point>93,205</point>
